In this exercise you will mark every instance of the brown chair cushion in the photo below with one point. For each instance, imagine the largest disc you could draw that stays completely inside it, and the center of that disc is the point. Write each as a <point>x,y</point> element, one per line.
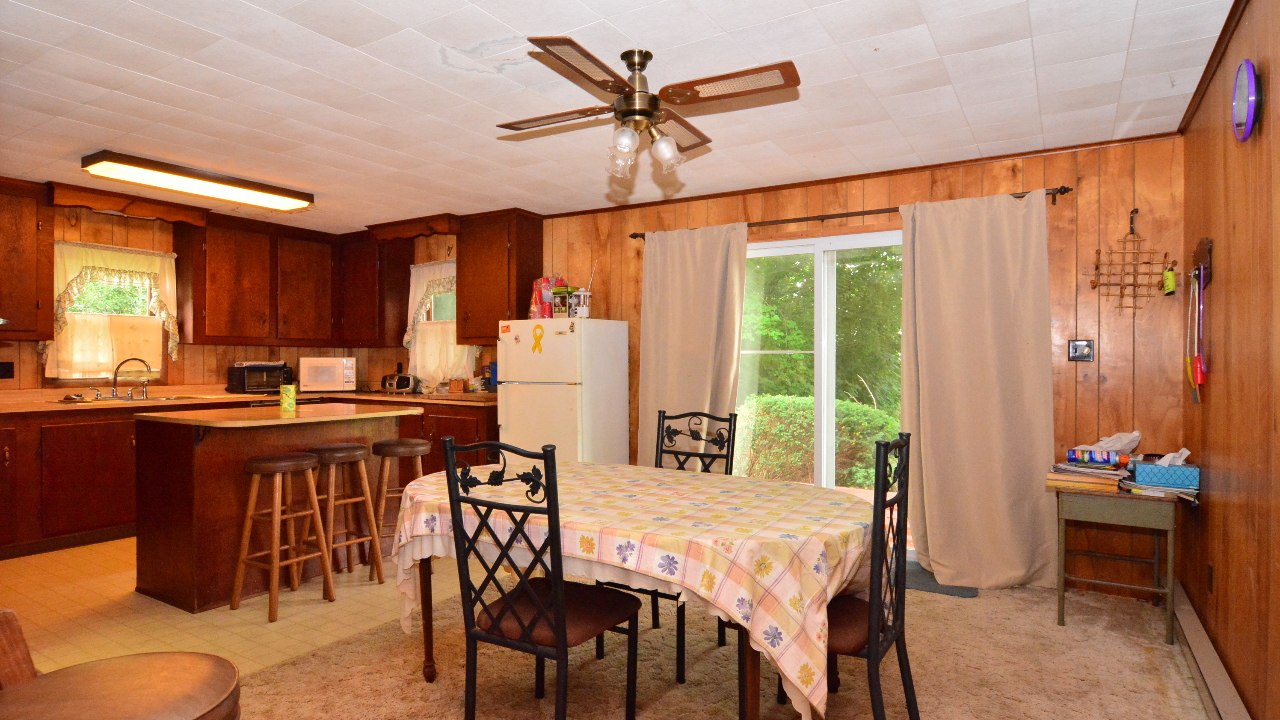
<point>847,619</point>
<point>284,462</point>
<point>589,611</point>
<point>340,453</point>
<point>150,686</point>
<point>402,447</point>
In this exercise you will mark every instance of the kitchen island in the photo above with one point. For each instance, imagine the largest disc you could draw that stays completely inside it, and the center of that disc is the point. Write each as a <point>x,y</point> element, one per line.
<point>192,489</point>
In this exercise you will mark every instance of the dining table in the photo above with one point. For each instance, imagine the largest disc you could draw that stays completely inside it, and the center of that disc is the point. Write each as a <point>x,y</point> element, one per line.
<point>765,555</point>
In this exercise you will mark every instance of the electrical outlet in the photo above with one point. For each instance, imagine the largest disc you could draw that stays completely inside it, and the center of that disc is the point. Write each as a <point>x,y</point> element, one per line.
<point>1080,350</point>
<point>6,371</point>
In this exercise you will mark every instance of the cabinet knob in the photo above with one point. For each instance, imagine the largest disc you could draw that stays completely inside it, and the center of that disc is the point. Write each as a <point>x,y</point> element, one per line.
<point>6,456</point>
<point>3,321</point>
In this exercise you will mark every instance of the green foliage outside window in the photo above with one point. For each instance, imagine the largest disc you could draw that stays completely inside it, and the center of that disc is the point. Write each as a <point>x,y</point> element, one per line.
<point>106,299</point>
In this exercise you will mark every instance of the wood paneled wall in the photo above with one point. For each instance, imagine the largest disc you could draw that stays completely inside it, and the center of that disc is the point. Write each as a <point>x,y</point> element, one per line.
<point>1230,546</point>
<point>1135,383</point>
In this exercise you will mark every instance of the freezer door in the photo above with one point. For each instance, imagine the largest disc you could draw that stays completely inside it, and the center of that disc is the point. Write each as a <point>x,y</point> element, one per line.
<point>530,416</point>
<point>540,351</point>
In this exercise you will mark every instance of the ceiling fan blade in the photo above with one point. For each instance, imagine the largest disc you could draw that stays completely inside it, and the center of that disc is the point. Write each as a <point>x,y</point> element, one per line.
<point>544,120</point>
<point>767,78</point>
<point>687,137</point>
<point>576,58</point>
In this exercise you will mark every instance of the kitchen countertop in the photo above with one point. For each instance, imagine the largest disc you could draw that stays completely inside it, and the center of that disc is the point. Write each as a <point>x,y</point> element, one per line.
<point>268,416</point>
<point>29,401</point>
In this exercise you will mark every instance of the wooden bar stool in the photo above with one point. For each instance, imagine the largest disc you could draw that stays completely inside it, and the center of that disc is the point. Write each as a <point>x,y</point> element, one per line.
<point>387,450</point>
<point>282,514</point>
<point>340,457</point>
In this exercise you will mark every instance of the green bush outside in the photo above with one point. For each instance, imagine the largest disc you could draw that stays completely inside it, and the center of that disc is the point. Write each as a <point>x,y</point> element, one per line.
<point>775,439</point>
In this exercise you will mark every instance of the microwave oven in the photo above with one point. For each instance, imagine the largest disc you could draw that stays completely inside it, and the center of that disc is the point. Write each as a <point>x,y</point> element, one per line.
<point>258,379</point>
<point>326,374</point>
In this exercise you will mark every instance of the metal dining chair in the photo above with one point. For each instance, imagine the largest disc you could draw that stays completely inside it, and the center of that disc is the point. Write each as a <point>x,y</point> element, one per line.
<point>542,614</point>
<point>869,629</point>
<point>701,430</point>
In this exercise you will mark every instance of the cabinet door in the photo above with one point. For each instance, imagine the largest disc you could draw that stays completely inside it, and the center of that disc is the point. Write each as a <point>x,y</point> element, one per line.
<point>305,282</point>
<point>484,292</point>
<point>8,463</point>
<point>359,305</point>
<point>20,287</point>
<point>87,476</point>
<point>438,426</point>
<point>238,284</point>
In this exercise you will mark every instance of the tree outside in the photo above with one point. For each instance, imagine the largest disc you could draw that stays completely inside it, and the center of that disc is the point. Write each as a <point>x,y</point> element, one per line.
<point>775,397</point>
<point>106,299</point>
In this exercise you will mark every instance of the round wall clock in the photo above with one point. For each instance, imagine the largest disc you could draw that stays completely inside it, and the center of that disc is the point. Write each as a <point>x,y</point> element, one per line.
<point>1244,102</point>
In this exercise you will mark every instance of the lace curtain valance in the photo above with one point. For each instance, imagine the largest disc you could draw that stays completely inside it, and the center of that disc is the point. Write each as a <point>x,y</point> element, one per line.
<point>421,312</point>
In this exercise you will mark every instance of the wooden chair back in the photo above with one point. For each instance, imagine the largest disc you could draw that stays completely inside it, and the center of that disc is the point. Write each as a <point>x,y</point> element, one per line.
<point>888,592</point>
<point>702,430</point>
<point>15,657</point>
<point>523,539</point>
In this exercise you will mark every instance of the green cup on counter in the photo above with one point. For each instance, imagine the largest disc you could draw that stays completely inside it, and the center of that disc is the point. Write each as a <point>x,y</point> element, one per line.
<point>288,398</point>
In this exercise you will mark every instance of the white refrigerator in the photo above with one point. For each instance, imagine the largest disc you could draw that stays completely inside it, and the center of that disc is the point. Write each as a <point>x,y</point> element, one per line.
<point>563,382</point>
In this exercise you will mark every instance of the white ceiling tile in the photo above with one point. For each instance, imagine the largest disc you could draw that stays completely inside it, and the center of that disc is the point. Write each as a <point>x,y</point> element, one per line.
<point>85,132</point>
<point>1150,87</point>
<point>135,106</point>
<point>896,49</point>
<point>19,164</point>
<point>823,66</point>
<point>34,24</point>
<point>1079,44</point>
<point>202,78</point>
<point>20,50</point>
<point>59,86</point>
<point>909,78</point>
<point>223,17</point>
<point>103,118</point>
<point>1050,16</point>
<point>998,61</point>
<point>940,10</point>
<point>1154,108</point>
<point>881,163</point>
<point>540,19</point>
<point>861,114</point>
<point>345,21</point>
<point>703,58</point>
<point>932,124</point>
<point>238,114</point>
<point>116,50</point>
<point>168,94</point>
<point>852,20</point>
<point>17,119</point>
<point>66,64</point>
<point>1151,126</point>
<point>309,84</point>
<point>999,26</point>
<point>922,102</point>
<point>274,6</point>
<point>1033,143</point>
<point>949,155</point>
<point>948,139</point>
<point>812,143</point>
<point>836,94</point>
<point>472,32</point>
<point>666,24</point>
<point>1081,73</point>
<point>14,95</point>
<point>1098,117</point>
<point>376,108</point>
<point>243,61</point>
<point>422,96</point>
<point>1080,136</point>
<point>1163,58</point>
<point>81,11</point>
<point>413,12</point>
<point>1081,98</point>
<point>784,38</point>
<point>1179,24</point>
<point>735,14</point>
<point>157,30</point>
<point>232,133</point>
<point>1025,110</point>
<point>1000,87</point>
<point>1011,130</point>
<point>282,38</point>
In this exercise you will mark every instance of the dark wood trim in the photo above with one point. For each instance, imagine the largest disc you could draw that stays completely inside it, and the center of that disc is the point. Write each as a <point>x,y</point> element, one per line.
<point>443,224</point>
<point>133,205</point>
<point>1215,60</point>
<point>62,542</point>
<point>233,222</point>
<point>23,188</point>
<point>867,176</point>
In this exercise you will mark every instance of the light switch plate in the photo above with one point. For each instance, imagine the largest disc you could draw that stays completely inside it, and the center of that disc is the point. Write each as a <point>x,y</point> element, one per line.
<point>1080,350</point>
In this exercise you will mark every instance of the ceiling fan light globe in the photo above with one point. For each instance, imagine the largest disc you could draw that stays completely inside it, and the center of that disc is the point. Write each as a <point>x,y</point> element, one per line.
<point>620,162</point>
<point>666,152</point>
<point>626,139</point>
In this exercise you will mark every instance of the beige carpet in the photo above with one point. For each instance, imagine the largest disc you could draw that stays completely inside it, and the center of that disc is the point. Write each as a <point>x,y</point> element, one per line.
<point>999,656</point>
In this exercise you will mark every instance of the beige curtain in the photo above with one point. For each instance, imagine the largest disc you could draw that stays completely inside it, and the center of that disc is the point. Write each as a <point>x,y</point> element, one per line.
<point>977,389</point>
<point>434,355</point>
<point>690,324</point>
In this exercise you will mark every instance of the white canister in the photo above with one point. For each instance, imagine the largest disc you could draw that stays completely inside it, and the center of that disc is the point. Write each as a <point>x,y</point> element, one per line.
<point>582,304</point>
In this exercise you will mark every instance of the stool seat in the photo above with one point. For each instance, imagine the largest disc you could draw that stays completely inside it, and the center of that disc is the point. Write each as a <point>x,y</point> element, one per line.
<point>402,447</point>
<point>340,453</point>
<point>149,686</point>
<point>282,463</point>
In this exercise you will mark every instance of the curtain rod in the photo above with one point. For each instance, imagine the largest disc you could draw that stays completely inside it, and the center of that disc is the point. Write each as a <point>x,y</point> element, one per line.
<point>1053,193</point>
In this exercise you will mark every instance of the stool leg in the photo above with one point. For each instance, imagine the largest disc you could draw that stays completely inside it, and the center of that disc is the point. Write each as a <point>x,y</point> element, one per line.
<point>326,569</point>
<point>349,514</point>
<point>375,547</point>
<point>291,534</point>
<point>384,480</point>
<point>273,608</point>
<point>245,533</point>
<point>330,531</point>
<point>417,466</point>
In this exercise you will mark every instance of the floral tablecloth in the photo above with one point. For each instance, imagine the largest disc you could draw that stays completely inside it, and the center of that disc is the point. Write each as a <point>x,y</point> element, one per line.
<point>768,555</point>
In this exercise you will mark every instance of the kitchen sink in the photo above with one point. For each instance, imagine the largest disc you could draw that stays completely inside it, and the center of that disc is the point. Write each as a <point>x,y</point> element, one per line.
<point>79,400</point>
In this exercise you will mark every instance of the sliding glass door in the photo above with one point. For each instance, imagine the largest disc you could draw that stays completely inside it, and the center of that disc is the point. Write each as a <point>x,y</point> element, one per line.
<point>819,374</point>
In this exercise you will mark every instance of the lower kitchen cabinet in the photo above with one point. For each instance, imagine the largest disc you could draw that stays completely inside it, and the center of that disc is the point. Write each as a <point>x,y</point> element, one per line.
<point>8,462</point>
<point>87,476</point>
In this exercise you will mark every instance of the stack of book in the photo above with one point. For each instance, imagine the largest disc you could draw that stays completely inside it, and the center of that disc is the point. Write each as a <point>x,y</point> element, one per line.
<point>1085,476</point>
<point>1189,494</point>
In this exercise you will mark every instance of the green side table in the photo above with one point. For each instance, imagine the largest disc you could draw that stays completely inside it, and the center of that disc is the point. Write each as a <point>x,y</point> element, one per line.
<point>1118,508</point>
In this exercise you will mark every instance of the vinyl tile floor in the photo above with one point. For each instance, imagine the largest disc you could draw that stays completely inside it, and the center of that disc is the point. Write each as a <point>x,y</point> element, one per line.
<point>78,605</point>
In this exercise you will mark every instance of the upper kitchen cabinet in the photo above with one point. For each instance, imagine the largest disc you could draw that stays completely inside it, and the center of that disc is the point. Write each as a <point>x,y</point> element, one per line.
<point>499,257</point>
<point>245,282</point>
<point>26,262</point>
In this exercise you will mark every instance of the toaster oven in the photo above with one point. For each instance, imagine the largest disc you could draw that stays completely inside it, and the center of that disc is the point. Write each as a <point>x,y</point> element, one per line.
<point>258,379</point>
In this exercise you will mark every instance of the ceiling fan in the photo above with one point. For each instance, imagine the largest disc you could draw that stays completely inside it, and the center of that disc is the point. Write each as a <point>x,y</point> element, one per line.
<point>640,111</point>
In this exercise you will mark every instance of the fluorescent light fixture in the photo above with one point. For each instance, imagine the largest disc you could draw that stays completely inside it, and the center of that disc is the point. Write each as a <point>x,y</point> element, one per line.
<point>141,171</point>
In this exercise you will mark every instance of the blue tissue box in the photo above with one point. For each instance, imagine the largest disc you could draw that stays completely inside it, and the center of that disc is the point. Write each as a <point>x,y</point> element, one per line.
<point>1174,476</point>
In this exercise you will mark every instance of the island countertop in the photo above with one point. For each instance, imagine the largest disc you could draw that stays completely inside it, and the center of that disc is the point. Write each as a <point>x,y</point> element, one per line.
<point>244,417</point>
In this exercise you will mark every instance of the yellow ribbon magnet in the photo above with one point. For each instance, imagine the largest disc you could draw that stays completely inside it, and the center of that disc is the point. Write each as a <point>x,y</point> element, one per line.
<point>538,332</point>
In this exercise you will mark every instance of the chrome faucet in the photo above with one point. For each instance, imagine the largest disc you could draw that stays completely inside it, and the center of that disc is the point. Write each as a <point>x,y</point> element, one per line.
<point>115,378</point>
